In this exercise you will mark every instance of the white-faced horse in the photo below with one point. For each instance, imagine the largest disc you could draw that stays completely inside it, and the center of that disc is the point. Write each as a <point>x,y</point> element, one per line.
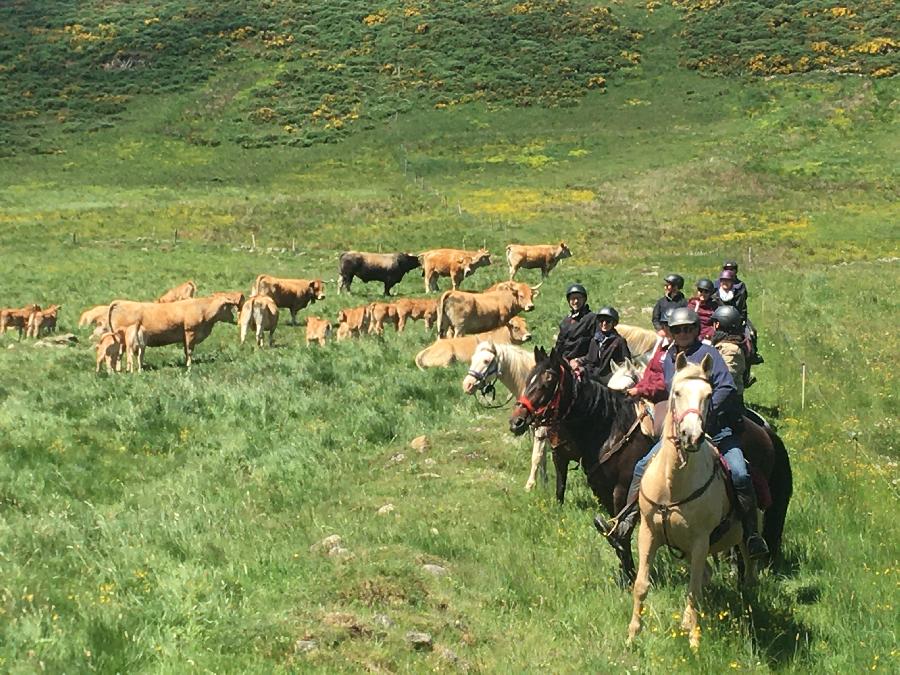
<point>511,366</point>
<point>683,496</point>
<point>625,376</point>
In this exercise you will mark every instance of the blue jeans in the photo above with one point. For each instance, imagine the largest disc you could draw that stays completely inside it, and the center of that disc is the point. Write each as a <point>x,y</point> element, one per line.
<point>728,444</point>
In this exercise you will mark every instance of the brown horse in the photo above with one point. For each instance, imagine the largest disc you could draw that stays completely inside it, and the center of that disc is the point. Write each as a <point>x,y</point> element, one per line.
<point>600,428</point>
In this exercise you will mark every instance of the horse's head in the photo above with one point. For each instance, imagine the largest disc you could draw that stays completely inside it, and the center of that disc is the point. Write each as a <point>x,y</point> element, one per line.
<point>689,401</point>
<point>539,403</point>
<point>623,376</point>
<point>483,369</point>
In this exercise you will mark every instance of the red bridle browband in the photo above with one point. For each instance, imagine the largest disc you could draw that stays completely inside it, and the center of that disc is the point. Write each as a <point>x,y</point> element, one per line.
<point>542,414</point>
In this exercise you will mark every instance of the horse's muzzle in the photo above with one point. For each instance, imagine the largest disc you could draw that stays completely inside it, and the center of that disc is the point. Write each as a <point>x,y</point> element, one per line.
<point>518,424</point>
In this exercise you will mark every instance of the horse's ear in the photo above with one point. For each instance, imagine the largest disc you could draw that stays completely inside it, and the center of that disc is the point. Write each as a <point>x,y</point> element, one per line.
<point>615,366</point>
<point>680,361</point>
<point>707,365</point>
<point>554,356</point>
<point>540,355</point>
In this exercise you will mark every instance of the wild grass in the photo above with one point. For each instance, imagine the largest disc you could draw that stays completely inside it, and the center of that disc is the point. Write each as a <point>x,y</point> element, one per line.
<point>167,521</point>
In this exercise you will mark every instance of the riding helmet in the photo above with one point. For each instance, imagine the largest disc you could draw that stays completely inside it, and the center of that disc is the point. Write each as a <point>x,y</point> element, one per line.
<point>609,313</point>
<point>576,288</point>
<point>729,319</point>
<point>728,274</point>
<point>665,317</point>
<point>676,280</point>
<point>730,265</point>
<point>683,316</point>
<point>705,285</point>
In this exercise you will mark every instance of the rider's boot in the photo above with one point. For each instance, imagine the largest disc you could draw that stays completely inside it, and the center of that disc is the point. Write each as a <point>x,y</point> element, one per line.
<point>756,545</point>
<point>618,531</point>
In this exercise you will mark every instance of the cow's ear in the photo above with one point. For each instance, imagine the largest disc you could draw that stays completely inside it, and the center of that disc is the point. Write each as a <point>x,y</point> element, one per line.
<point>540,355</point>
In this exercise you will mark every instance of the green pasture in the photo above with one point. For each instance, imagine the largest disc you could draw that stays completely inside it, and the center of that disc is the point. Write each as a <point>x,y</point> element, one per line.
<point>169,522</point>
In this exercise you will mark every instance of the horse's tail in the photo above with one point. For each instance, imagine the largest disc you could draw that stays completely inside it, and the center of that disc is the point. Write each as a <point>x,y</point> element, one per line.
<point>781,485</point>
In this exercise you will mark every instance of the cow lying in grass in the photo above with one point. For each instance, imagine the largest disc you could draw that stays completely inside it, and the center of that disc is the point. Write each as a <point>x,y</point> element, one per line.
<point>447,351</point>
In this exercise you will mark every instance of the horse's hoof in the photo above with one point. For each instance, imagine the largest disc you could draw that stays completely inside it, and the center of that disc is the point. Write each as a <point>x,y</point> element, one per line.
<point>529,486</point>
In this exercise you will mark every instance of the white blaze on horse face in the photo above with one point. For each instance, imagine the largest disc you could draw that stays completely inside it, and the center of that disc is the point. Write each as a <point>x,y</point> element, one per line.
<point>623,377</point>
<point>481,361</point>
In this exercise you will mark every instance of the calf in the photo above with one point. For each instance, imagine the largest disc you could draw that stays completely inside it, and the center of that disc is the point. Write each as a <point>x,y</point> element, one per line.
<point>543,257</point>
<point>387,268</point>
<point>317,330</point>
<point>182,292</point>
<point>352,322</point>
<point>414,309</point>
<point>294,294</point>
<point>17,318</point>
<point>381,313</point>
<point>109,351</point>
<point>42,321</point>
<point>260,314</point>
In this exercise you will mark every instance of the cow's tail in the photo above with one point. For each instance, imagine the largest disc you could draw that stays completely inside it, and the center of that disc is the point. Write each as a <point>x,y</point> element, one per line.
<point>442,325</point>
<point>781,485</point>
<point>109,314</point>
<point>254,290</point>
<point>246,314</point>
<point>509,254</point>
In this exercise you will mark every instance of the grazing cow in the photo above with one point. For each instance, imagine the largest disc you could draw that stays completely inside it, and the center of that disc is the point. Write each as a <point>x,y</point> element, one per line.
<point>543,257</point>
<point>95,316</point>
<point>411,309</point>
<point>381,313</point>
<point>109,351</point>
<point>17,318</point>
<point>353,322</point>
<point>387,268</point>
<point>317,330</point>
<point>461,313</point>
<point>450,262</point>
<point>448,351</point>
<point>182,292</point>
<point>259,314</point>
<point>42,320</point>
<point>295,294</point>
<point>185,322</point>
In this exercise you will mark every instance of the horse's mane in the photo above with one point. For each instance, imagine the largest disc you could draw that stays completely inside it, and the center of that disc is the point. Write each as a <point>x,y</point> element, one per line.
<point>604,403</point>
<point>639,339</point>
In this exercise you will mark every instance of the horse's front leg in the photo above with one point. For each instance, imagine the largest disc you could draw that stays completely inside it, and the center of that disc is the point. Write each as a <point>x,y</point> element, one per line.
<point>699,553</point>
<point>647,546</point>
<point>561,464</point>
<point>538,458</point>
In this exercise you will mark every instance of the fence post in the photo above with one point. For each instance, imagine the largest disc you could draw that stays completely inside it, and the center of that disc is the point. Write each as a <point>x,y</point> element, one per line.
<point>802,386</point>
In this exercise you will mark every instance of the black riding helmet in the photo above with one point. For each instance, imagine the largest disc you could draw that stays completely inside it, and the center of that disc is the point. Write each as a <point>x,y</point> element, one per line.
<point>730,265</point>
<point>665,317</point>
<point>683,316</point>
<point>705,285</point>
<point>576,288</point>
<point>729,319</point>
<point>608,313</point>
<point>676,280</point>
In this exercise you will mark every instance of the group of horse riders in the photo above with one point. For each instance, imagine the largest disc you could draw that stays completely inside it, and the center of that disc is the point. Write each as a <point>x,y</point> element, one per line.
<point>714,323</point>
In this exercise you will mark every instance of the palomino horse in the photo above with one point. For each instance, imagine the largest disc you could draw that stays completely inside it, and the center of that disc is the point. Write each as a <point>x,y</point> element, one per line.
<point>684,497</point>
<point>511,366</point>
<point>600,428</point>
<point>640,340</point>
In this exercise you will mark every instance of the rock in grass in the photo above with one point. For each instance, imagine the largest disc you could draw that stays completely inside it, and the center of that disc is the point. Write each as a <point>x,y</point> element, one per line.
<point>420,641</point>
<point>328,543</point>
<point>436,570</point>
<point>340,552</point>
<point>420,443</point>
<point>383,620</point>
<point>386,509</point>
<point>302,646</point>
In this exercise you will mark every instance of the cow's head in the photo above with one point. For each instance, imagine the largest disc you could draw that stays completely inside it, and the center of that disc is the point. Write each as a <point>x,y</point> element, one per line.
<point>563,251</point>
<point>224,308</point>
<point>318,289</point>
<point>526,295</point>
<point>408,262</point>
<point>518,330</point>
<point>481,259</point>
<point>342,316</point>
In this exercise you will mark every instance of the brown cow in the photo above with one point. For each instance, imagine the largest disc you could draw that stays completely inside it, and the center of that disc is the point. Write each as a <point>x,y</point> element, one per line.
<point>543,257</point>
<point>447,351</point>
<point>109,351</point>
<point>412,309</point>
<point>353,322</point>
<point>461,313</point>
<point>260,314</point>
<point>17,318</point>
<point>381,313</point>
<point>186,322</point>
<point>42,320</point>
<point>295,294</point>
<point>317,330</point>
<point>181,292</point>
<point>95,316</point>
<point>451,262</point>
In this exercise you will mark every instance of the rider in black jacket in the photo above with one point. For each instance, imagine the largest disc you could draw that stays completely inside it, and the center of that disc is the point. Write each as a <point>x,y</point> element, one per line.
<point>673,299</point>
<point>606,346</point>
<point>577,329</point>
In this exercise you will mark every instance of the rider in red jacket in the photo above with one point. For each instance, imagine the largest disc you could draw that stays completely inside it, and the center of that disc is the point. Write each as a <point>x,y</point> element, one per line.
<point>652,384</point>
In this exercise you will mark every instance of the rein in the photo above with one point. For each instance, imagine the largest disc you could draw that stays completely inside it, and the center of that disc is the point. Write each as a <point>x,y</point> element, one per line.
<point>622,441</point>
<point>486,384</point>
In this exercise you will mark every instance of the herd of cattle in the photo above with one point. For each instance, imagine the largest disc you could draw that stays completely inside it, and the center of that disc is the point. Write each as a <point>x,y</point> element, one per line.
<point>123,329</point>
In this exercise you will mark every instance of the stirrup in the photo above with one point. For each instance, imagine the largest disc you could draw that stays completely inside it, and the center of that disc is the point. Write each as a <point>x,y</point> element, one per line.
<point>606,527</point>
<point>757,548</point>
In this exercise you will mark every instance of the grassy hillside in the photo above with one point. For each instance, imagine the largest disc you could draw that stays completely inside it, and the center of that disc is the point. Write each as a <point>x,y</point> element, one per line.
<point>168,522</point>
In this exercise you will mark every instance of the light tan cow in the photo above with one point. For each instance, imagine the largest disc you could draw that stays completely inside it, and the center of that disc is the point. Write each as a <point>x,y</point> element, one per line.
<point>185,322</point>
<point>95,316</point>
<point>17,318</point>
<point>42,320</point>
<point>181,292</point>
<point>109,351</point>
<point>414,309</point>
<point>461,313</point>
<point>381,313</point>
<point>447,351</point>
<point>542,256</point>
<point>259,314</point>
<point>317,330</point>
<point>294,294</point>
<point>353,322</point>
<point>451,262</point>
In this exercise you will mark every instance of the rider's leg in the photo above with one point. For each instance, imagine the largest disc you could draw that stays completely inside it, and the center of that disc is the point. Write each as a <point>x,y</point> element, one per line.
<point>744,490</point>
<point>627,518</point>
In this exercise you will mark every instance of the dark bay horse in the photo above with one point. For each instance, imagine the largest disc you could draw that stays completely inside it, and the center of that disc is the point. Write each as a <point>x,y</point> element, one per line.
<point>600,428</point>
<point>602,431</point>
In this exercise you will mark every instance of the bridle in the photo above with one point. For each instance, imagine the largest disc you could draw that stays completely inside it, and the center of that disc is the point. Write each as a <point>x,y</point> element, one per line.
<point>677,418</point>
<point>486,382</point>
<point>551,413</point>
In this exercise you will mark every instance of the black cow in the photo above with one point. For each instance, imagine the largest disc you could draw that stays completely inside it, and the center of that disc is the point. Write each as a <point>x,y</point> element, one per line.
<point>388,268</point>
